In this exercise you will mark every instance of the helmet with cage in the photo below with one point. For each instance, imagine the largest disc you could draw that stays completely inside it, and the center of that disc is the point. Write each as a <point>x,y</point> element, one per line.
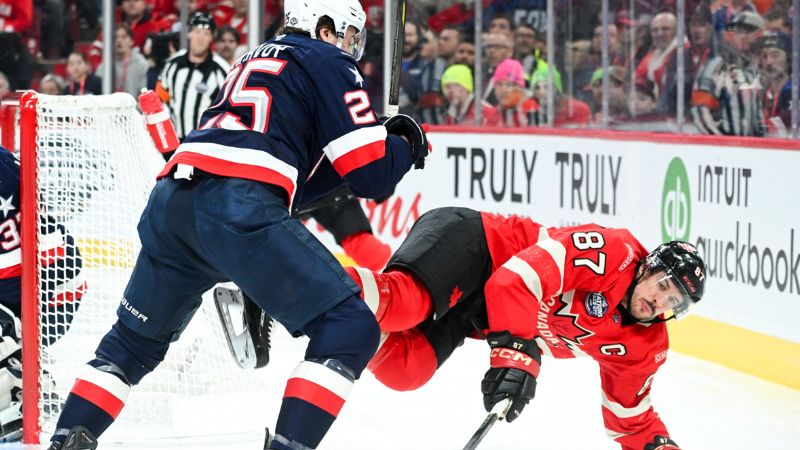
<point>305,15</point>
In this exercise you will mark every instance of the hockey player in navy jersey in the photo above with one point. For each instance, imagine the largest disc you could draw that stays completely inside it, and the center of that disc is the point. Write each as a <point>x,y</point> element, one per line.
<point>292,121</point>
<point>61,260</point>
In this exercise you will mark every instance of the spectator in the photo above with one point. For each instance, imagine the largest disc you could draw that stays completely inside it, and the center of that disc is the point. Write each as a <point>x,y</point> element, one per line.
<point>130,67</point>
<point>412,66</point>
<point>227,44</point>
<point>192,78</point>
<point>643,104</point>
<point>725,14</point>
<point>528,49</point>
<point>16,16</point>
<point>700,33</point>
<point>514,107</point>
<point>774,56</point>
<point>725,99</point>
<point>5,86</point>
<point>616,54</point>
<point>778,20</point>
<point>430,106</point>
<point>459,87</point>
<point>15,61</point>
<point>137,15</point>
<point>238,20</point>
<point>449,38</point>
<point>465,53</point>
<point>654,65</point>
<point>52,84</point>
<point>499,47</point>
<point>617,96</point>
<point>81,80</point>
<point>580,65</point>
<point>502,24</point>
<point>158,48</point>
<point>568,111</point>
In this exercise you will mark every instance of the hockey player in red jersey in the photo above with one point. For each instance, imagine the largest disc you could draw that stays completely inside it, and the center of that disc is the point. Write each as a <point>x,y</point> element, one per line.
<point>530,290</point>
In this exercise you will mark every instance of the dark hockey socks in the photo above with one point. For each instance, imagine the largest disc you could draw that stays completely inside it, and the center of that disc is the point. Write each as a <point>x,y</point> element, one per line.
<point>398,300</point>
<point>314,395</point>
<point>95,400</point>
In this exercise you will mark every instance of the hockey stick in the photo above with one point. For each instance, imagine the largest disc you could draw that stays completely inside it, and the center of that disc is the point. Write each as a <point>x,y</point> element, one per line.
<point>497,413</point>
<point>398,31</point>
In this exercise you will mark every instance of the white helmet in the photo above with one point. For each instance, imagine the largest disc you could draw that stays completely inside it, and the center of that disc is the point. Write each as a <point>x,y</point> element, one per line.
<point>304,14</point>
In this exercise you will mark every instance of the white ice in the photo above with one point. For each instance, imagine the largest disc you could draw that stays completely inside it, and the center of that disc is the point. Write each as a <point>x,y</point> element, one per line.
<point>705,407</point>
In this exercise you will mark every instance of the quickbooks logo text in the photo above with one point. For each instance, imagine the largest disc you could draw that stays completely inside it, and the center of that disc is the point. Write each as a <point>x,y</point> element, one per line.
<point>676,208</point>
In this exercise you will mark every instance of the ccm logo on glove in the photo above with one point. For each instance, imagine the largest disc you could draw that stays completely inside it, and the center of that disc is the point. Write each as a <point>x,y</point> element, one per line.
<point>506,357</point>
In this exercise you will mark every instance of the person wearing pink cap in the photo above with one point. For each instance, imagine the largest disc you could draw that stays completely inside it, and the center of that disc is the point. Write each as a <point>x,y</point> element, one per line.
<point>509,88</point>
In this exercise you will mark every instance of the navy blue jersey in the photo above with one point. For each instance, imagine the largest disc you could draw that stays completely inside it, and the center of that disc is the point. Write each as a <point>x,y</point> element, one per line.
<point>59,257</point>
<point>293,111</point>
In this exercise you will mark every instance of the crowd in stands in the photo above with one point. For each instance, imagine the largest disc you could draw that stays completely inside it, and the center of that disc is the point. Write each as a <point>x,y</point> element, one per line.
<point>736,58</point>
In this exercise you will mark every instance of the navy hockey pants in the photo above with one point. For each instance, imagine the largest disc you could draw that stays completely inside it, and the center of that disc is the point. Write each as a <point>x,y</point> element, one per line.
<point>196,233</point>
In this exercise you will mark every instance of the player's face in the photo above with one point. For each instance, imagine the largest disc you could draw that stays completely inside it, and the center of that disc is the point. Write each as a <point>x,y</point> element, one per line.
<point>655,295</point>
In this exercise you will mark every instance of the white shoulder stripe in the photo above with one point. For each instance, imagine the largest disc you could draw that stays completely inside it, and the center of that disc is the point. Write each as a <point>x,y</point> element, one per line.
<point>106,381</point>
<point>543,234</point>
<point>528,275</point>
<point>559,254</point>
<point>323,376</point>
<point>353,140</point>
<point>625,413</point>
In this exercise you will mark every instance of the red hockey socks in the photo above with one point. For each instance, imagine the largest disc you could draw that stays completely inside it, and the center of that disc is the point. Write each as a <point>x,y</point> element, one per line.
<point>367,250</point>
<point>398,300</point>
<point>405,361</point>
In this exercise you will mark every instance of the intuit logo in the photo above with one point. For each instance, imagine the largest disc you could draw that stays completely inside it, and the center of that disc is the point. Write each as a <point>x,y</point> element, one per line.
<point>676,207</point>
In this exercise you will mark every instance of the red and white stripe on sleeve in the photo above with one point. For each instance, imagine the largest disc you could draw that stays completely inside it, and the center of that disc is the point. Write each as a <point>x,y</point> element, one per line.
<point>357,148</point>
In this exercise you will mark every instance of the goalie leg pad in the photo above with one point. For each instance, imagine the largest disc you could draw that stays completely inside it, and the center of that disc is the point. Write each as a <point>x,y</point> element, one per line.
<point>446,249</point>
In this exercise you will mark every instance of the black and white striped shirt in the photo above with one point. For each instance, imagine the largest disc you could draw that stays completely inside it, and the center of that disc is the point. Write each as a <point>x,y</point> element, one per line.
<point>192,88</point>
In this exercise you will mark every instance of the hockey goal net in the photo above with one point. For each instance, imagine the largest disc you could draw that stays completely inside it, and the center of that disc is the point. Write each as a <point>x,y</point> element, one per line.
<point>89,164</point>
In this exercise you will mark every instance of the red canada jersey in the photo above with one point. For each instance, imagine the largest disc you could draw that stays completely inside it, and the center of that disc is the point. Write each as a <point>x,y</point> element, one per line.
<point>562,286</point>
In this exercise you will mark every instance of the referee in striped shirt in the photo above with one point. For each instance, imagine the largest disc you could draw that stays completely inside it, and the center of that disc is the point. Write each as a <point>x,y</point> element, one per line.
<point>192,78</point>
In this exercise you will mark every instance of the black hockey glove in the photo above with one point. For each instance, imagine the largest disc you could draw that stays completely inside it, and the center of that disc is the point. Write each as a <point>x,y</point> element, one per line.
<point>403,125</point>
<point>662,443</point>
<point>515,365</point>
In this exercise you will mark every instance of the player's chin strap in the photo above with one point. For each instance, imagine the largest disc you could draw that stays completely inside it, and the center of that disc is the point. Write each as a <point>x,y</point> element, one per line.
<point>624,306</point>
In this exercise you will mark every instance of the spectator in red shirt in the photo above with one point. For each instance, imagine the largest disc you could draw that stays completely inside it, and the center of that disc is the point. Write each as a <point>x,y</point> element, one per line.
<point>568,111</point>
<point>459,88</point>
<point>137,15</point>
<point>16,16</point>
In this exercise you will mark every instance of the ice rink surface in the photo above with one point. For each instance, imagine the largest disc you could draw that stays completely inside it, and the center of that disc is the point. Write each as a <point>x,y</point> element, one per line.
<point>705,407</point>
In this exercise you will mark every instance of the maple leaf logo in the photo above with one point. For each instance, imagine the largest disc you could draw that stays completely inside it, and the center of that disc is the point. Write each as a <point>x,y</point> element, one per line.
<point>455,296</point>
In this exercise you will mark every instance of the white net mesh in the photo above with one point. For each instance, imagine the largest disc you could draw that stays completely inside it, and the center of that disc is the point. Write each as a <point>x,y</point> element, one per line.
<point>97,165</point>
